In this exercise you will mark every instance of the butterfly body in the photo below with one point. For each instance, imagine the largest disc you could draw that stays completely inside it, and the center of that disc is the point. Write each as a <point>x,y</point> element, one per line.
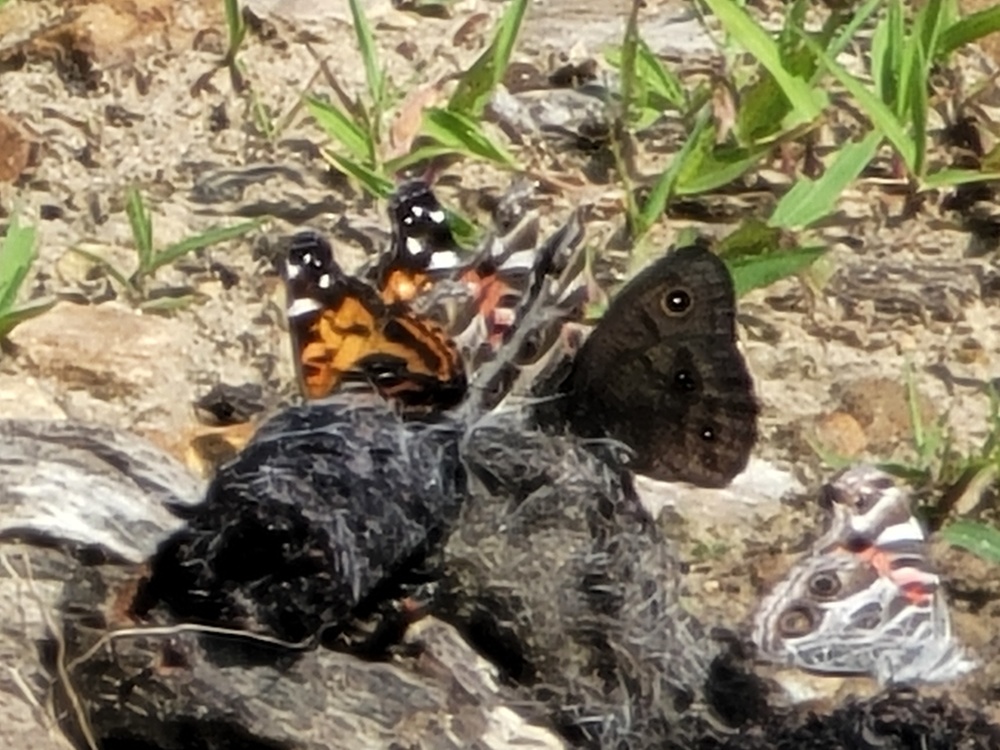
<point>661,373</point>
<point>866,599</point>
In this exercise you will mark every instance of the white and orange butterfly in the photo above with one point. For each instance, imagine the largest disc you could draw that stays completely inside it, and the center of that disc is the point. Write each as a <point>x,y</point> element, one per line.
<point>866,599</point>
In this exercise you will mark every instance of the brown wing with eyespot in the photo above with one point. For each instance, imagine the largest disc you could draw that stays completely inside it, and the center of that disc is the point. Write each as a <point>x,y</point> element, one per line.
<point>662,373</point>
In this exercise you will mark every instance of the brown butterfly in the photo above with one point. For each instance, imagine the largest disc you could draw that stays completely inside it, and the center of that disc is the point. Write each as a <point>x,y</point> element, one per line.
<point>344,331</point>
<point>661,372</point>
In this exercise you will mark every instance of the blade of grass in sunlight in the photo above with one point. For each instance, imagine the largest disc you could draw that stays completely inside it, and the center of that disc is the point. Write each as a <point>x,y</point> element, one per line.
<point>977,538</point>
<point>477,84</point>
<point>755,272</point>
<point>807,102</point>
<point>463,135</point>
<point>341,127</point>
<point>200,241</point>
<point>142,226</point>
<point>968,30</point>
<point>699,143</point>
<point>811,200</point>
<point>17,253</point>
<point>876,110</point>
<point>369,54</point>
<point>372,181</point>
<point>237,28</point>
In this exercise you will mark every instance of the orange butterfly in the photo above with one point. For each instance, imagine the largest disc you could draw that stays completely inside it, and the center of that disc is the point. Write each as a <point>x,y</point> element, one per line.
<point>344,331</point>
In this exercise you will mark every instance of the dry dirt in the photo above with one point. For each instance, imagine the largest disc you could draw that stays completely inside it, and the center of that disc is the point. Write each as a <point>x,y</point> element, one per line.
<point>97,96</point>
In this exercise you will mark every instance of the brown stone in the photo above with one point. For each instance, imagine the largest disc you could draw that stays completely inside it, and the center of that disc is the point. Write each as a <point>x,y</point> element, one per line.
<point>17,149</point>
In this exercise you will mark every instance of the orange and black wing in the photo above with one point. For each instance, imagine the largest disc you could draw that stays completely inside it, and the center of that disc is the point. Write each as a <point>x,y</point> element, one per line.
<point>423,249</point>
<point>342,331</point>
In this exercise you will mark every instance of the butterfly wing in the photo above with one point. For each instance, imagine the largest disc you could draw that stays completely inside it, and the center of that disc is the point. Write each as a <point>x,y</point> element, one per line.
<point>865,600</point>
<point>342,331</point>
<point>423,248</point>
<point>661,372</point>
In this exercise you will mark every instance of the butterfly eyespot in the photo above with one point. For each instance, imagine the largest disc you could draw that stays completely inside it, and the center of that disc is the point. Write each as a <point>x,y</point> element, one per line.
<point>676,302</point>
<point>708,434</point>
<point>824,585</point>
<point>796,621</point>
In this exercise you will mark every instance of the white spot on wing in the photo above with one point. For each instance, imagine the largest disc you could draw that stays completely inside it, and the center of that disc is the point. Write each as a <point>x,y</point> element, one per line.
<point>444,259</point>
<point>414,246</point>
<point>303,306</point>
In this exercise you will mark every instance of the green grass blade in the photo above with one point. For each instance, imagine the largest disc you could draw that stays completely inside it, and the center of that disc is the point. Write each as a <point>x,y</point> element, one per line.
<point>369,53</point>
<point>463,135</point>
<point>928,25</point>
<point>720,168</point>
<point>979,539</point>
<point>953,177</point>
<point>658,78</point>
<point>752,237</point>
<point>142,227</point>
<point>968,30</point>
<point>237,29</point>
<point>423,153</point>
<point>687,160</point>
<point>477,84</point>
<point>916,101</point>
<point>810,200</point>
<point>808,103</point>
<point>17,253</point>
<point>376,183</point>
<point>12,318</point>
<point>848,33</point>
<point>880,115</point>
<point>200,241</point>
<point>755,272</point>
<point>340,126</point>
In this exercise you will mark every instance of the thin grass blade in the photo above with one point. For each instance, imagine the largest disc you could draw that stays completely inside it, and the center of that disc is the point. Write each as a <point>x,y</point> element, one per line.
<point>142,227</point>
<point>374,182</point>
<point>213,236</point>
<point>968,30</point>
<point>13,318</point>
<point>17,253</point>
<point>237,28</point>
<point>477,84</point>
<point>756,272</point>
<point>109,269</point>
<point>685,161</point>
<point>808,103</point>
<point>811,200</point>
<point>978,538</point>
<point>463,135</point>
<point>340,126</point>
<point>880,115</point>
<point>369,52</point>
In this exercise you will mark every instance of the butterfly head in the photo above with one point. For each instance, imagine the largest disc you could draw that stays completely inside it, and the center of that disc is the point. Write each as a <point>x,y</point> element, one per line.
<point>421,236</point>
